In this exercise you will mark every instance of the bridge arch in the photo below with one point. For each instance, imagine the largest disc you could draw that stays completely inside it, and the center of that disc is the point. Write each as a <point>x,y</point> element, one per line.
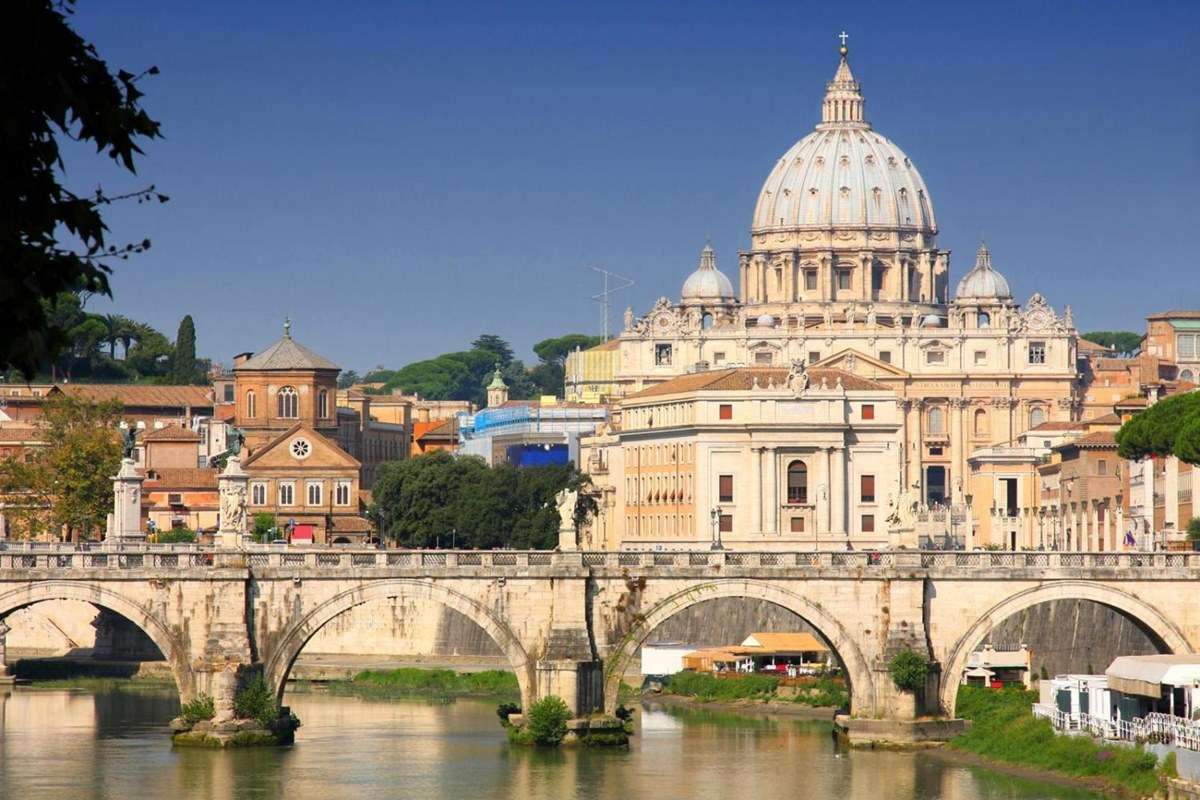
<point>1166,633</point>
<point>279,664</point>
<point>170,643</point>
<point>858,672</point>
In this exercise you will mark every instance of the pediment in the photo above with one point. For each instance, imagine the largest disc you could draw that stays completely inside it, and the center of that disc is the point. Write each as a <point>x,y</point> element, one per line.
<point>299,447</point>
<point>861,364</point>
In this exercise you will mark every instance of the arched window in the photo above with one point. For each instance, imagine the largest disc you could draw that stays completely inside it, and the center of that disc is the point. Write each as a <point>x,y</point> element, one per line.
<point>1037,415</point>
<point>985,320</point>
<point>937,420</point>
<point>323,404</point>
<point>797,483</point>
<point>288,402</point>
<point>251,404</point>
<point>1187,375</point>
<point>982,428</point>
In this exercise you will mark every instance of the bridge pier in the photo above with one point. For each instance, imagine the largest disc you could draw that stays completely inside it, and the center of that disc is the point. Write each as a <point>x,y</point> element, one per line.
<point>5,676</point>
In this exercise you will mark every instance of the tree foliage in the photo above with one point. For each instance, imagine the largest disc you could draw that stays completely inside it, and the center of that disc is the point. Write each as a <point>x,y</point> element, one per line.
<point>556,350</point>
<point>1170,427</point>
<point>547,721</point>
<point>53,84</point>
<point>422,501</point>
<point>65,485</point>
<point>491,343</point>
<point>908,669</point>
<point>184,367</point>
<point>1122,341</point>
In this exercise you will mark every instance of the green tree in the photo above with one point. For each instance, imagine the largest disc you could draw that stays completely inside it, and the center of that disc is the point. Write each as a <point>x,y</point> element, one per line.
<point>183,356</point>
<point>67,484</point>
<point>547,723</point>
<point>908,669</point>
<point>491,343</point>
<point>54,85</point>
<point>1193,529</point>
<point>348,378</point>
<point>1170,427</point>
<point>175,536</point>
<point>1122,341</point>
<point>556,350</point>
<point>264,528</point>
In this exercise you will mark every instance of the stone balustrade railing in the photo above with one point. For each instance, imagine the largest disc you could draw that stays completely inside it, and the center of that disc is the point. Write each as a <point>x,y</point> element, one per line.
<point>58,557</point>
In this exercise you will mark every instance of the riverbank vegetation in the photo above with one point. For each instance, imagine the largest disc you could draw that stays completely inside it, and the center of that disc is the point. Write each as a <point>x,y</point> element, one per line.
<point>1003,728</point>
<point>431,682</point>
<point>819,690</point>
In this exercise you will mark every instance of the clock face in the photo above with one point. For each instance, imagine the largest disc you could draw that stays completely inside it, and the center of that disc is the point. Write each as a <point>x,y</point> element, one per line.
<point>663,320</point>
<point>301,449</point>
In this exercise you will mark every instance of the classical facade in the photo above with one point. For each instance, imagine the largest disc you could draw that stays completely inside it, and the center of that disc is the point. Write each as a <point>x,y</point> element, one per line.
<point>751,458</point>
<point>844,272</point>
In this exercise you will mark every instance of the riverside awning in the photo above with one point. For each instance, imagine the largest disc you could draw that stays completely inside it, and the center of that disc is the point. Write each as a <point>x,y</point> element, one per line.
<point>1146,675</point>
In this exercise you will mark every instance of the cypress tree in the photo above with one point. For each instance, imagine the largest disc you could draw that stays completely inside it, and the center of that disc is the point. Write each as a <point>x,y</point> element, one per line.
<point>183,363</point>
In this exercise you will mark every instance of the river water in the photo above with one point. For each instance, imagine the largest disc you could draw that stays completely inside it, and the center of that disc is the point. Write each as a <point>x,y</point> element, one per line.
<point>63,745</point>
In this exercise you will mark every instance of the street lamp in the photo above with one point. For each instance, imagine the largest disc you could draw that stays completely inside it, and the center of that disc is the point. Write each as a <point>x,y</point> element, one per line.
<point>716,526</point>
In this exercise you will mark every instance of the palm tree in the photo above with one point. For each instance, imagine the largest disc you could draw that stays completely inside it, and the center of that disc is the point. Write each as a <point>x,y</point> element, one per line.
<point>115,324</point>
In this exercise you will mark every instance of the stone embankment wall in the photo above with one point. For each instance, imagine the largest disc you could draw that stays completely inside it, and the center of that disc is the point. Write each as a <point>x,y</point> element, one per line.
<point>1066,636</point>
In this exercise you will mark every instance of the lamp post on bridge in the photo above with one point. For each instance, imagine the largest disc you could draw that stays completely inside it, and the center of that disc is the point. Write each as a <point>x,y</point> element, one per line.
<point>716,526</point>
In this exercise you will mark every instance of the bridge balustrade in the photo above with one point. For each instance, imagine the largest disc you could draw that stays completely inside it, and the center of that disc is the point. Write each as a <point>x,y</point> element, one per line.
<point>49,557</point>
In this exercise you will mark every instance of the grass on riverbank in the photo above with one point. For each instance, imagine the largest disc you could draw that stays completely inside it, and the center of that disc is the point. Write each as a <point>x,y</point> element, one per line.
<point>821,691</point>
<point>435,682</point>
<point>1003,727</point>
<point>103,684</point>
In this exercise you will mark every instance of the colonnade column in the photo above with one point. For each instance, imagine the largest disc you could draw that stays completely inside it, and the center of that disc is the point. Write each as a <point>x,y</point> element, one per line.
<point>1106,528</point>
<point>1148,497</point>
<point>756,483</point>
<point>772,490</point>
<point>838,492</point>
<point>1171,495</point>
<point>823,502</point>
<point>956,449</point>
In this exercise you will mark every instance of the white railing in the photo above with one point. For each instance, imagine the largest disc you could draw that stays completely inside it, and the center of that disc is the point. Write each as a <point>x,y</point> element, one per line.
<point>58,556</point>
<point>1154,727</point>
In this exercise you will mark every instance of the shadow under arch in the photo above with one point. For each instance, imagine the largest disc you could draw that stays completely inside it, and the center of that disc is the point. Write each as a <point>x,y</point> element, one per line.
<point>169,643</point>
<point>1161,630</point>
<point>859,680</point>
<point>284,654</point>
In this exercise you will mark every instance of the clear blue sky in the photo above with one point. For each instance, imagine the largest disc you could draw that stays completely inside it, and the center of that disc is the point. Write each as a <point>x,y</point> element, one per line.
<point>399,177</point>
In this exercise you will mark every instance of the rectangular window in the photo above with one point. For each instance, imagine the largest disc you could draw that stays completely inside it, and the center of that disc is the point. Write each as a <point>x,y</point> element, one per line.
<point>662,355</point>
<point>725,523</point>
<point>813,357</point>
<point>228,393</point>
<point>718,358</point>
<point>868,523</point>
<point>867,487</point>
<point>797,524</point>
<point>1188,345</point>
<point>287,494</point>
<point>843,279</point>
<point>342,495</point>
<point>1037,352</point>
<point>725,489</point>
<point>935,357</point>
<point>258,494</point>
<point>725,411</point>
<point>868,411</point>
<point>1102,467</point>
<point>314,493</point>
<point>980,357</point>
<point>810,280</point>
<point>885,356</point>
<point>175,499</point>
<point>765,357</point>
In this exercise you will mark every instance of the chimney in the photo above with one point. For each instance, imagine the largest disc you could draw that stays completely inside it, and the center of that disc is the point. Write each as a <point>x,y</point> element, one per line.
<point>423,413</point>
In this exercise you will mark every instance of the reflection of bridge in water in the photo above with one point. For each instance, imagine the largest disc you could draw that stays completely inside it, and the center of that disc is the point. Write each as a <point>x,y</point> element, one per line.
<point>570,623</point>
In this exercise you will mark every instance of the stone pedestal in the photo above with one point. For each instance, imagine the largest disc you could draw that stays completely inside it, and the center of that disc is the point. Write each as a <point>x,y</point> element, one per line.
<point>902,538</point>
<point>233,486</point>
<point>127,506</point>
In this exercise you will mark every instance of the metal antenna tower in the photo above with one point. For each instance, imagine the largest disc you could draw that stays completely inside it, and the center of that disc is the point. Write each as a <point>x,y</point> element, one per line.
<point>602,298</point>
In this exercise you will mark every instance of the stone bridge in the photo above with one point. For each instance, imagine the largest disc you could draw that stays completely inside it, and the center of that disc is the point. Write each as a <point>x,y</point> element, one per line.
<point>571,622</point>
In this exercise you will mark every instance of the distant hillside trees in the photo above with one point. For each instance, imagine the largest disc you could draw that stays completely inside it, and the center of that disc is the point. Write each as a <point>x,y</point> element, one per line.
<point>1124,342</point>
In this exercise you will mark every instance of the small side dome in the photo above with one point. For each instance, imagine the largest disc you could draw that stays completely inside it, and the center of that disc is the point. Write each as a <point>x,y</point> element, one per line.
<point>764,321</point>
<point>707,283</point>
<point>931,321</point>
<point>983,282</point>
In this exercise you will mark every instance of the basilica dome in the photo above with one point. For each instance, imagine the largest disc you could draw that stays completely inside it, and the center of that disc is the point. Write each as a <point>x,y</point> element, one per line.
<point>983,282</point>
<point>844,174</point>
<point>707,283</point>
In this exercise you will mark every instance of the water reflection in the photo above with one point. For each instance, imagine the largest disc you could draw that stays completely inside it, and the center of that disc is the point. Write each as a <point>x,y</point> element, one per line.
<point>113,744</point>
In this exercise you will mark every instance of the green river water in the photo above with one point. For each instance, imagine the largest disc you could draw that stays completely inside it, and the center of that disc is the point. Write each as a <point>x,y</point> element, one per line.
<point>67,744</point>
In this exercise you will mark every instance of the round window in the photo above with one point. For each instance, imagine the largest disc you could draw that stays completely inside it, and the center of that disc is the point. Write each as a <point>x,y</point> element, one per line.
<point>301,448</point>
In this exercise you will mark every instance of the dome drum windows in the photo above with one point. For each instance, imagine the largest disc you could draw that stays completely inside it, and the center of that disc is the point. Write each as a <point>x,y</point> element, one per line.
<point>287,402</point>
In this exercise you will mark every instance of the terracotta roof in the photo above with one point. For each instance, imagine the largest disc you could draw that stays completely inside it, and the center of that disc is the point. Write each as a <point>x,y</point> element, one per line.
<point>1088,346</point>
<point>16,434</point>
<point>170,433</point>
<point>1056,425</point>
<point>1131,402</point>
<point>1107,419</point>
<point>1098,440</point>
<point>611,344</point>
<point>782,643</point>
<point>743,378</point>
<point>349,524</point>
<point>435,427</point>
<point>285,354</point>
<point>143,395</point>
<point>1179,314</point>
<point>181,478</point>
